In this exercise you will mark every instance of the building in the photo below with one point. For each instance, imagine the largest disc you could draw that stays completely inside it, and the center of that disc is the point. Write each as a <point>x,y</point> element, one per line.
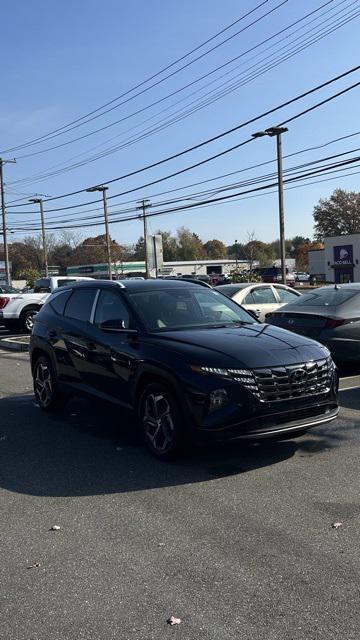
<point>338,261</point>
<point>189,267</point>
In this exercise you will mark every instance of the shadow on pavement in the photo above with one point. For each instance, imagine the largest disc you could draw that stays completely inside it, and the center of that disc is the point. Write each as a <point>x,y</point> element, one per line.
<point>90,449</point>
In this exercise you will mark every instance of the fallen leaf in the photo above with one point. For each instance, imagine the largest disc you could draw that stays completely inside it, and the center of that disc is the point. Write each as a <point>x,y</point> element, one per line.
<point>337,525</point>
<point>34,565</point>
<point>55,527</point>
<point>172,620</point>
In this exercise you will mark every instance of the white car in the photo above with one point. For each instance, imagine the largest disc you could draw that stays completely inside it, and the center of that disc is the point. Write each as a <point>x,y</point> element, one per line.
<point>17,310</point>
<point>259,298</point>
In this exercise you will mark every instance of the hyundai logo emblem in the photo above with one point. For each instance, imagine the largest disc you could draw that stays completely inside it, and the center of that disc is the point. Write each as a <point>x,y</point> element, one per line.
<point>298,376</point>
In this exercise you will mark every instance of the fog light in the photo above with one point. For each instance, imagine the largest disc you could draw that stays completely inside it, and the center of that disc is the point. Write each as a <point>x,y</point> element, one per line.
<point>218,399</point>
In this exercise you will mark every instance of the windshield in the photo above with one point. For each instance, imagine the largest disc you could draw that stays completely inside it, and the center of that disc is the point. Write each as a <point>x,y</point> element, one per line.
<point>180,308</point>
<point>325,297</point>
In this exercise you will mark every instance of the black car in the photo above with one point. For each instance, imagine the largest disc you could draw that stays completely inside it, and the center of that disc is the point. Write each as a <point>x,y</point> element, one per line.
<point>186,358</point>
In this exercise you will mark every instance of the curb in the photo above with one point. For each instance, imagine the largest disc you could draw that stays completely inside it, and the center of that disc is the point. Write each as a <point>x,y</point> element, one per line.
<point>13,344</point>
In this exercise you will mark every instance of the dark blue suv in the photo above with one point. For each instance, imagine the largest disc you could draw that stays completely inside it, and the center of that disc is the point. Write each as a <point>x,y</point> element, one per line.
<point>185,358</point>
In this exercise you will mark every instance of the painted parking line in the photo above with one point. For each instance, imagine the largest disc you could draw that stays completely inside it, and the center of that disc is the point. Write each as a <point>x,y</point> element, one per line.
<point>350,382</point>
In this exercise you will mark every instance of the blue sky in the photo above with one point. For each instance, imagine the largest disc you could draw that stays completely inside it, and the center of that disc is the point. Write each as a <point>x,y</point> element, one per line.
<point>63,60</point>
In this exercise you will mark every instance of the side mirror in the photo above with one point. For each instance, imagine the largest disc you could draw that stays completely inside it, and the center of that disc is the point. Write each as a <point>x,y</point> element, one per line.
<point>255,313</point>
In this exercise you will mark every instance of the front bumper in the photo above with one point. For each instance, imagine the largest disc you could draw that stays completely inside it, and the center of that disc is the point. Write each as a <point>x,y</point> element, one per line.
<point>272,425</point>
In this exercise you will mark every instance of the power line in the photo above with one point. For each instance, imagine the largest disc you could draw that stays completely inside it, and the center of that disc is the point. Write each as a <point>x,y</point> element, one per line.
<point>218,137</point>
<point>159,127</point>
<point>41,138</point>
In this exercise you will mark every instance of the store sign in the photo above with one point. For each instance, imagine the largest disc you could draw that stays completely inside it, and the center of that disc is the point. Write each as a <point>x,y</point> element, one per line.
<point>343,255</point>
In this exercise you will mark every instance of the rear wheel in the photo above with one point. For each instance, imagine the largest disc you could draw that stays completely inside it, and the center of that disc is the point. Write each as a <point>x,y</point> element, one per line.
<point>161,421</point>
<point>27,320</point>
<point>46,390</point>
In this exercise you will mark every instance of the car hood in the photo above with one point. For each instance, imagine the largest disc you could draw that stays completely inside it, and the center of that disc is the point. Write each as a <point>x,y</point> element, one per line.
<point>248,346</point>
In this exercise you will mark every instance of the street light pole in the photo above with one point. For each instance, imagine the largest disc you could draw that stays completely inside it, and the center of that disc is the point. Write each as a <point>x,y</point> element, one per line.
<point>43,234</point>
<point>3,211</point>
<point>236,255</point>
<point>277,131</point>
<point>103,190</point>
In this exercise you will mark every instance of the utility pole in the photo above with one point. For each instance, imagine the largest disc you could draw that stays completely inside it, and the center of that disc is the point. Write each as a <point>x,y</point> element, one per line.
<point>277,131</point>
<point>103,190</point>
<point>3,211</point>
<point>44,244</point>
<point>144,204</point>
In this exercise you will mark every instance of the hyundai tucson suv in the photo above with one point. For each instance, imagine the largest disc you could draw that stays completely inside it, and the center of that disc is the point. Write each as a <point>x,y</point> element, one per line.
<point>187,359</point>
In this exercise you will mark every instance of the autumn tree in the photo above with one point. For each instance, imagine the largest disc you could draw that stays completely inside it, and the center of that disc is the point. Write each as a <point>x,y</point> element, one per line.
<point>338,215</point>
<point>190,247</point>
<point>302,254</point>
<point>93,250</point>
<point>215,249</point>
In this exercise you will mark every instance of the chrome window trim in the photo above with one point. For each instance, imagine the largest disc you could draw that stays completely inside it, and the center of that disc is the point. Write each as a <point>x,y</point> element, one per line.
<point>92,314</point>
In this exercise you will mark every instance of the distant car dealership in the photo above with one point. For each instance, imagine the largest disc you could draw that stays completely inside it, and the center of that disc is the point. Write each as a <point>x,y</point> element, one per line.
<point>338,261</point>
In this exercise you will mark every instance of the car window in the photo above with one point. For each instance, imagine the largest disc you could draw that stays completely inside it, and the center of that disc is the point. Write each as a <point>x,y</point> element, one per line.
<point>285,295</point>
<point>79,305</point>
<point>326,297</point>
<point>261,295</point>
<point>110,307</point>
<point>229,289</point>
<point>183,308</point>
<point>58,301</point>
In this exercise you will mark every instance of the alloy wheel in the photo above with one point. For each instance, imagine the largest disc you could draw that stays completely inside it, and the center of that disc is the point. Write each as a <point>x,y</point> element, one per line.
<point>43,384</point>
<point>158,422</point>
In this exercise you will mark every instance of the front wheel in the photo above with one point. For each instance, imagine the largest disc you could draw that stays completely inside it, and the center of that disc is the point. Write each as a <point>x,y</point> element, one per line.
<point>161,421</point>
<point>46,391</point>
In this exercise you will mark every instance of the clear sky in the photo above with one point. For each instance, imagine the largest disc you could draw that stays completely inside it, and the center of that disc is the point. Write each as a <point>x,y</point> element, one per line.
<point>61,60</point>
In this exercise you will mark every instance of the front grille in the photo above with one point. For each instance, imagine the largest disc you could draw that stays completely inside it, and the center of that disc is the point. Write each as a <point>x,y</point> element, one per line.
<point>289,382</point>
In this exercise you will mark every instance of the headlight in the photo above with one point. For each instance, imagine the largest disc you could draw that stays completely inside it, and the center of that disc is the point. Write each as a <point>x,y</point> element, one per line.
<point>244,376</point>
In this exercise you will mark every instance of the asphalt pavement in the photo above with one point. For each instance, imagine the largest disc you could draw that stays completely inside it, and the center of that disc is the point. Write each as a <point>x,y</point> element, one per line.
<point>235,540</point>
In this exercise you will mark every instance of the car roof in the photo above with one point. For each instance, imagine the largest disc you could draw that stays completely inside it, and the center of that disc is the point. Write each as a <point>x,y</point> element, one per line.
<point>134,285</point>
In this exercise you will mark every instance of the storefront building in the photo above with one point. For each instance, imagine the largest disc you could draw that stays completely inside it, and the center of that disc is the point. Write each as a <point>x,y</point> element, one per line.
<point>339,260</point>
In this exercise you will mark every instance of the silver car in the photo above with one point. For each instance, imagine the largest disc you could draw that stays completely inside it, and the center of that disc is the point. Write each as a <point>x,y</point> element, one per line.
<point>330,315</point>
<point>260,298</point>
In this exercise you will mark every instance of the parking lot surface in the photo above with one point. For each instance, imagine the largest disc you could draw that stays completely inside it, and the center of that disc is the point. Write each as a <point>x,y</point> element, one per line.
<point>235,540</point>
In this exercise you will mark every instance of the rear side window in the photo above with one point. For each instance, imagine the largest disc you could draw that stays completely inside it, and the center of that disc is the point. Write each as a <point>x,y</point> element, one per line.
<point>59,300</point>
<point>262,295</point>
<point>80,304</point>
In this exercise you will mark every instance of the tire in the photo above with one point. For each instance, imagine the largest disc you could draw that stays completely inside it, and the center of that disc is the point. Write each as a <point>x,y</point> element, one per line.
<point>46,390</point>
<point>161,421</point>
<point>27,320</point>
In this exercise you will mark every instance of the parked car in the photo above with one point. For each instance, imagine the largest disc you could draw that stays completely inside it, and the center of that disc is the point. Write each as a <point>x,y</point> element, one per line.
<point>17,310</point>
<point>5,288</point>
<point>302,276</point>
<point>261,299</point>
<point>273,274</point>
<point>187,359</point>
<point>328,314</point>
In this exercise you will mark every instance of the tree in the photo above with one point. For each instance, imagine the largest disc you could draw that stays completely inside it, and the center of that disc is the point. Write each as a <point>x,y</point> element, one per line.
<point>190,245</point>
<point>302,254</point>
<point>93,250</point>
<point>215,249</point>
<point>338,215</point>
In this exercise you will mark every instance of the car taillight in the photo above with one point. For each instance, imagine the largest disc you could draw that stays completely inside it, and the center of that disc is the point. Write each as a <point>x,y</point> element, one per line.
<point>332,323</point>
<point>3,301</point>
